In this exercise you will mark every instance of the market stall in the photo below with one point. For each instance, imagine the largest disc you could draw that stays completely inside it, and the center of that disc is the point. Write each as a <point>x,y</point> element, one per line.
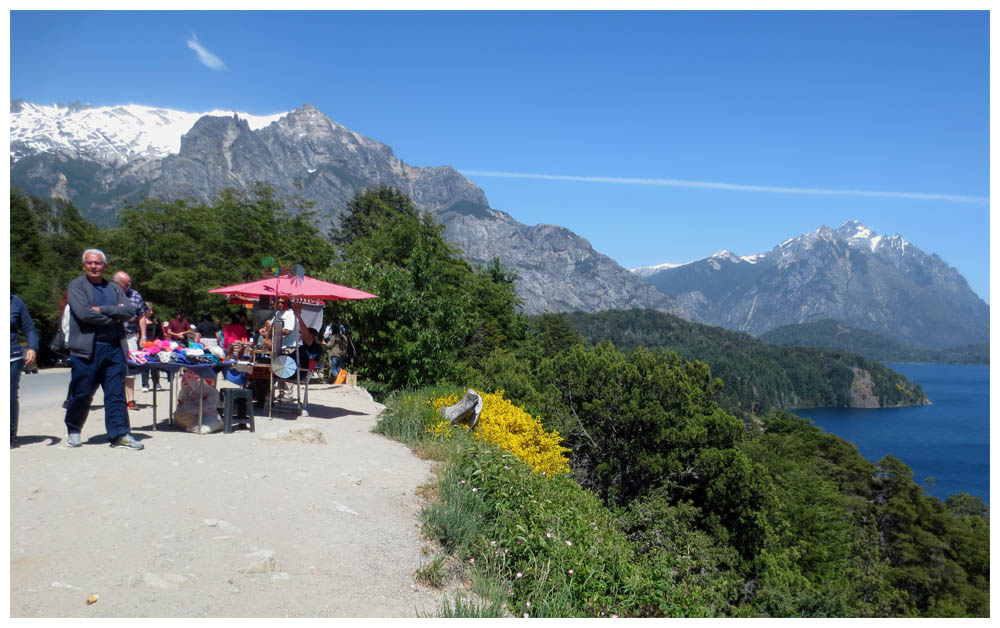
<point>204,372</point>
<point>191,363</point>
<point>268,360</point>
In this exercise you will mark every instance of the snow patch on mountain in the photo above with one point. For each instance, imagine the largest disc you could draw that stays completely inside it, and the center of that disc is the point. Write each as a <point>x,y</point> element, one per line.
<point>713,260</point>
<point>111,135</point>
<point>646,271</point>
<point>727,255</point>
<point>859,236</point>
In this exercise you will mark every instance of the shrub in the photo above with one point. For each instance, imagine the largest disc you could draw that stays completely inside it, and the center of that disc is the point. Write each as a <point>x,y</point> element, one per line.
<point>692,574</point>
<point>552,543</point>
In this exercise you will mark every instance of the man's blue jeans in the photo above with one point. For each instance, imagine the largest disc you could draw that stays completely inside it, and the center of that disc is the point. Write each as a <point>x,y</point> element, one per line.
<point>15,382</point>
<point>106,368</point>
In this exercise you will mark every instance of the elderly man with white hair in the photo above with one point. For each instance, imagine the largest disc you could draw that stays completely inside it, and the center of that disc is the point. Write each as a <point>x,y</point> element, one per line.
<point>97,349</point>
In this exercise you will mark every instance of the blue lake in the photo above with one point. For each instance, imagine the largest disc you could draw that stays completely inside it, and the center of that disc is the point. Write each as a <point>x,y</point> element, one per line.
<point>948,441</point>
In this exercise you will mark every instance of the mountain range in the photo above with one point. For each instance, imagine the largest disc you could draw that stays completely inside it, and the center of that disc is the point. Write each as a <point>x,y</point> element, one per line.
<point>850,274</point>
<point>101,157</point>
<point>96,157</point>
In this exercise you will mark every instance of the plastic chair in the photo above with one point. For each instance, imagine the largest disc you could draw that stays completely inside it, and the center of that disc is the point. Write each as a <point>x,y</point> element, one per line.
<point>232,397</point>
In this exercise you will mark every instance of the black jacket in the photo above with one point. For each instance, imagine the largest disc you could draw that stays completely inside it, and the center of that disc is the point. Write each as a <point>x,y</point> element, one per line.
<point>80,297</point>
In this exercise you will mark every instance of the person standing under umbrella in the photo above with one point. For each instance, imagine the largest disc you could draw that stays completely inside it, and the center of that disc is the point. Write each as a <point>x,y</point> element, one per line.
<point>208,331</point>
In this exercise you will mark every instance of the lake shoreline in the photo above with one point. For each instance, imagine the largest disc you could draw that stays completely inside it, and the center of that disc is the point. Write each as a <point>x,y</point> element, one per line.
<point>946,444</point>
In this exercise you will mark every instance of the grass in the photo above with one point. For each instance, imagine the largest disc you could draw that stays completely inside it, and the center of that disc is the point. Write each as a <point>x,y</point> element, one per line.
<point>526,542</point>
<point>434,572</point>
<point>468,607</point>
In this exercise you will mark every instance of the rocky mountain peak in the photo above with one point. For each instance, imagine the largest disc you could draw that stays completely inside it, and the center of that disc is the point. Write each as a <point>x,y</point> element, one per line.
<point>850,274</point>
<point>307,109</point>
<point>307,116</point>
<point>727,255</point>
<point>854,229</point>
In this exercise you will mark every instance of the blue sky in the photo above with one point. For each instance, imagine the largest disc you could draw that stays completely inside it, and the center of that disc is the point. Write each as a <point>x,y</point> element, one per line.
<point>636,109</point>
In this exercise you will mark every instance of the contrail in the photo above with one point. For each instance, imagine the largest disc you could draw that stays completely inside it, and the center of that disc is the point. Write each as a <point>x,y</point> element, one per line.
<point>713,185</point>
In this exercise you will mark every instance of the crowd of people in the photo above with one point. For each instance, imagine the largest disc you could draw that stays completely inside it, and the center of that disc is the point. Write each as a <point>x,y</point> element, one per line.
<point>105,322</point>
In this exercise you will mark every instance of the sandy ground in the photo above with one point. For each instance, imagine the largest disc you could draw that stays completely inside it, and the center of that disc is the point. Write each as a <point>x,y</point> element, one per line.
<point>264,524</point>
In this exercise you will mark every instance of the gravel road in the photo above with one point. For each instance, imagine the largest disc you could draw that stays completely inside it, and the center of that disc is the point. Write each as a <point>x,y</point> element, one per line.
<point>307,517</point>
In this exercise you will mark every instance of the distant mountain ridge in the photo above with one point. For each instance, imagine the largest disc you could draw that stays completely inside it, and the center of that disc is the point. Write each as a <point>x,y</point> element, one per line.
<point>724,254</point>
<point>878,283</point>
<point>96,157</point>
<point>829,334</point>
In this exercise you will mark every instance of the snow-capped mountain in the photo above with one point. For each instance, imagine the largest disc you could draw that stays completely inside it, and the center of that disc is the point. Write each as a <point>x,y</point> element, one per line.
<point>107,135</point>
<point>98,156</point>
<point>724,254</point>
<point>853,233</point>
<point>851,274</point>
<point>101,157</point>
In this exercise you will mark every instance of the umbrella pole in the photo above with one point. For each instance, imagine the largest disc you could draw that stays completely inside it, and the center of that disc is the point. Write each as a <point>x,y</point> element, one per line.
<point>275,347</point>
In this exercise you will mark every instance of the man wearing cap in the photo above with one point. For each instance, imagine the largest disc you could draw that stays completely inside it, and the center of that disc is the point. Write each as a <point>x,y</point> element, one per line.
<point>97,351</point>
<point>135,328</point>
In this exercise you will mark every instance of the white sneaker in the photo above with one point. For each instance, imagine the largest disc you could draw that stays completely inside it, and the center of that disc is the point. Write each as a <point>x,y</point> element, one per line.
<point>145,389</point>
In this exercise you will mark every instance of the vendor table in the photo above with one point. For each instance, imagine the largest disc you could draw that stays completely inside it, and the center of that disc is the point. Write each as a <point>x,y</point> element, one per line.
<point>203,371</point>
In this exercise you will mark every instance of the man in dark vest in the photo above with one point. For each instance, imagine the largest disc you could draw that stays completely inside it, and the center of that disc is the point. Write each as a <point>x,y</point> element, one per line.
<point>97,349</point>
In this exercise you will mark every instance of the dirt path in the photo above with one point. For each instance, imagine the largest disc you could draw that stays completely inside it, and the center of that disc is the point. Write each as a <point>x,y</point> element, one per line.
<point>265,524</point>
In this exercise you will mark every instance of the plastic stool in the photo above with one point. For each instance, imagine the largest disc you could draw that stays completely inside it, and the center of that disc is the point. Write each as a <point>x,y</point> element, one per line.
<point>230,398</point>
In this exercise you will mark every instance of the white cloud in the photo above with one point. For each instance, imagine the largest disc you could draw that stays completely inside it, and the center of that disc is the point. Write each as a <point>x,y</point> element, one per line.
<point>204,55</point>
<point>729,186</point>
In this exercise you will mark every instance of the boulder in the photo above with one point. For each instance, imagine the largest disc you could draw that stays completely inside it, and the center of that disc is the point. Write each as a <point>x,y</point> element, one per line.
<point>465,411</point>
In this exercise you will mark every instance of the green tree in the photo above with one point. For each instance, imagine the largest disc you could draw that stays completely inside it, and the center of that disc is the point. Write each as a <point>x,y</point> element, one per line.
<point>498,325</point>
<point>641,421</point>
<point>939,560</point>
<point>553,334</point>
<point>177,251</point>
<point>407,337</point>
<point>368,212</point>
<point>436,318</point>
<point>47,239</point>
<point>30,255</point>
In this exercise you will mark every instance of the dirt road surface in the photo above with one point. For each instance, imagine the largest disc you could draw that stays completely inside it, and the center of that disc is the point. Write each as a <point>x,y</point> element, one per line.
<point>313,516</point>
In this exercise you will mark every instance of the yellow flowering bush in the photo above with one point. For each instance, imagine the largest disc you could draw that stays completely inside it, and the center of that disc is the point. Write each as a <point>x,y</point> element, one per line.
<point>440,428</point>
<point>509,427</point>
<point>442,402</point>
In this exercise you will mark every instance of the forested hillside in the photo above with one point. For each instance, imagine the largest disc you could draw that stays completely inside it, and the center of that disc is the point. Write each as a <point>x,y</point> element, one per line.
<point>829,334</point>
<point>757,377</point>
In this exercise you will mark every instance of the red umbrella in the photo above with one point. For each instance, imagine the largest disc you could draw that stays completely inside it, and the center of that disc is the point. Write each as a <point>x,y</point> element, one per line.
<point>305,288</point>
